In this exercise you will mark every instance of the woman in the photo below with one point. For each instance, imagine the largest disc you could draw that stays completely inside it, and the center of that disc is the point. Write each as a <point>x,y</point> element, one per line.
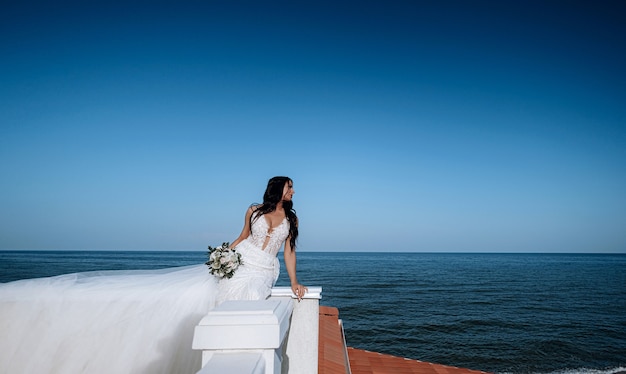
<point>266,227</point>
<point>140,321</point>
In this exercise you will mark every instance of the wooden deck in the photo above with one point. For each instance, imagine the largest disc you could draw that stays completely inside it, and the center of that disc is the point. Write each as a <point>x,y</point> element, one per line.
<point>335,358</point>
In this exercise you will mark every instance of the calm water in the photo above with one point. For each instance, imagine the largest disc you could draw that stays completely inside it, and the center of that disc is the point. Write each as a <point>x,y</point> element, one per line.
<point>505,313</point>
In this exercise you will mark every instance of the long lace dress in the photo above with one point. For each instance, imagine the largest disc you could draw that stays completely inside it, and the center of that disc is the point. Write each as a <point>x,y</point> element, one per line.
<point>105,322</point>
<point>135,322</point>
<point>255,278</point>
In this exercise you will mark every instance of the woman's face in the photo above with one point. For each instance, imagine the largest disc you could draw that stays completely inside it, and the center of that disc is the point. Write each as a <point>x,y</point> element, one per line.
<point>288,191</point>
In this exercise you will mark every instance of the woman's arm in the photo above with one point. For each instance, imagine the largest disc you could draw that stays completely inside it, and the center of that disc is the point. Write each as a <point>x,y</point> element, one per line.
<point>245,232</point>
<point>290,263</point>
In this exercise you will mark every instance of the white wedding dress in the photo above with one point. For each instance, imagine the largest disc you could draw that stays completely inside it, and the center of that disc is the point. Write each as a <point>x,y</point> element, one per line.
<point>135,322</point>
<point>255,278</point>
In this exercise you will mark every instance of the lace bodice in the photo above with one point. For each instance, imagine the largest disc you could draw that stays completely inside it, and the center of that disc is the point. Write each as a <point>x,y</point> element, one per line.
<point>266,239</point>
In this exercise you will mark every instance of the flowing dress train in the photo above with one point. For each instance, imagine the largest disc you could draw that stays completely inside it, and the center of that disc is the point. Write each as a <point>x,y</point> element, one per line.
<point>135,322</point>
<point>105,322</point>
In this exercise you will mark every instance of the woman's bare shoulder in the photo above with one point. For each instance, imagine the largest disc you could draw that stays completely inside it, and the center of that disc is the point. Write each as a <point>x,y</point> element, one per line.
<point>253,209</point>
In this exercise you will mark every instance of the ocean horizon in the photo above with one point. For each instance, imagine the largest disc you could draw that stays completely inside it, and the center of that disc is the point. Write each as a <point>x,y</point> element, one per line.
<point>496,312</point>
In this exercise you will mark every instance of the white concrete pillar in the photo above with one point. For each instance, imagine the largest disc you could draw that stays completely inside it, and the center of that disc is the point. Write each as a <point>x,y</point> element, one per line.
<point>300,351</point>
<point>244,328</point>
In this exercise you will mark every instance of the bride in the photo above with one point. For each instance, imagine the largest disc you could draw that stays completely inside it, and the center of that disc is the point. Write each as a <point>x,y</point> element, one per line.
<point>141,321</point>
<point>265,229</point>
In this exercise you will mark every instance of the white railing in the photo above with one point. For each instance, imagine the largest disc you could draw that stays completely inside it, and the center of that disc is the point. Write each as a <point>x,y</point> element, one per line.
<point>273,336</point>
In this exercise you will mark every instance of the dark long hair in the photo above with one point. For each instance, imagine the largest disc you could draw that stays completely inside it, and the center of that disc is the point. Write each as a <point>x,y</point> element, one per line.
<point>272,196</point>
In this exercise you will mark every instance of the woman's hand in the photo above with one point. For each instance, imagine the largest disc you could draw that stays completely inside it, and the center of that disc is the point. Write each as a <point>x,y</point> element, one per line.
<point>299,290</point>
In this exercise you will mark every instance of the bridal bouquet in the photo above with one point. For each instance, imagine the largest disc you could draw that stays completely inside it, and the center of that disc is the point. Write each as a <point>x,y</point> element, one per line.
<point>223,261</point>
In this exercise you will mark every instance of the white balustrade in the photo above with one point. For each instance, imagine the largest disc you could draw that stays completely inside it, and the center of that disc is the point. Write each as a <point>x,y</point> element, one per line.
<point>300,353</point>
<point>273,336</point>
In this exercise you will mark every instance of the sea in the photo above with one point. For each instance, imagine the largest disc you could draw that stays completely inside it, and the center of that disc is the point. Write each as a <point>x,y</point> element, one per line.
<point>500,313</point>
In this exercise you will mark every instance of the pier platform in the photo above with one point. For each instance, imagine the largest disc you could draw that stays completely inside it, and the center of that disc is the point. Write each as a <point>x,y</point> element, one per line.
<point>334,357</point>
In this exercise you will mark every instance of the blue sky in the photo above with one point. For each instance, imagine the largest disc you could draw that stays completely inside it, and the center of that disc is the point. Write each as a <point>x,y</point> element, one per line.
<point>480,126</point>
